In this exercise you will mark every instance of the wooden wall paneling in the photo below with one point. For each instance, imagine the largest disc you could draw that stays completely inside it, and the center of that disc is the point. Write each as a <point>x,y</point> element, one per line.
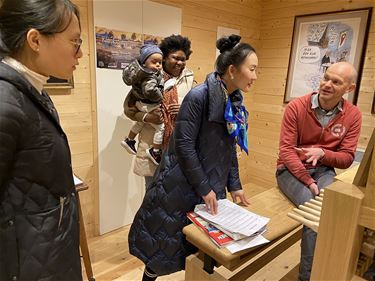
<point>273,10</point>
<point>77,110</point>
<point>95,170</point>
<point>200,20</point>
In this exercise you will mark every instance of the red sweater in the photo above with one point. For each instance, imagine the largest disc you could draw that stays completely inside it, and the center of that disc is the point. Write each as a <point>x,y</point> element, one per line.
<point>300,128</point>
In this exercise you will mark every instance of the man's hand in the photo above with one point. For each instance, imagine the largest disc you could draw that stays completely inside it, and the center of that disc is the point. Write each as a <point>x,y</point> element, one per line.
<point>211,202</point>
<point>239,194</point>
<point>314,189</point>
<point>312,154</point>
<point>154,117</point>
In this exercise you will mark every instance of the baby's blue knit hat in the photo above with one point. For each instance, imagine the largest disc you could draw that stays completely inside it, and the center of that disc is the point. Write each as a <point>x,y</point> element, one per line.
<point>147,50</point>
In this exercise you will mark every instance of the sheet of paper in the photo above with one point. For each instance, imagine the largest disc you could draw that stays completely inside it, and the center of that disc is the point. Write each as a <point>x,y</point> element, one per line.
<point>237,236</point>
<point>77,181</point>
<point>233,218</point>
<point>246,243</point>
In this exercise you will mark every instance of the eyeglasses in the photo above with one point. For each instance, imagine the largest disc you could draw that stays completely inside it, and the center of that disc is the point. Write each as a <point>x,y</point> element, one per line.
<point>77,43</point>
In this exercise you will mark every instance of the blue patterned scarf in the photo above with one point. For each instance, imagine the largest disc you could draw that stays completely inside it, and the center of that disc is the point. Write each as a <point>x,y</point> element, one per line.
<point>236,117</point>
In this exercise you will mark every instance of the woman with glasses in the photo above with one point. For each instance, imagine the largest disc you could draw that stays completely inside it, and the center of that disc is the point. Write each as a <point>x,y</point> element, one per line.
<point>39,226</point>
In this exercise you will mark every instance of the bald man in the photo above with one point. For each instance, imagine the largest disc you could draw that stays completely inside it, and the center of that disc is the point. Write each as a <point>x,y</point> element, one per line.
<point>319,132</point>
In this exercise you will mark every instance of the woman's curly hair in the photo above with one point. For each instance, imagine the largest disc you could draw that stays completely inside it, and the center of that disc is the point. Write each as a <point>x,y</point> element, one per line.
<point>175,43</point>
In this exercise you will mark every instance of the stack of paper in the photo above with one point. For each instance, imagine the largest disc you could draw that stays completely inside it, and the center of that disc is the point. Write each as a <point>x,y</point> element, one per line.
<point>216,235</point>
<point>245,227</point>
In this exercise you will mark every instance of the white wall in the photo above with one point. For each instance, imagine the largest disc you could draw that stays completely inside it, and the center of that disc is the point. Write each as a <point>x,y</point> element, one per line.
<point>120,191</point>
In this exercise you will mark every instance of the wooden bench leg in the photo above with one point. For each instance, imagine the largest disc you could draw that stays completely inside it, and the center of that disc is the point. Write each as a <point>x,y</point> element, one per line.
<point>194,271</point>
<point>270,252</point>
<point>83,245</point>
<point>209,264</point>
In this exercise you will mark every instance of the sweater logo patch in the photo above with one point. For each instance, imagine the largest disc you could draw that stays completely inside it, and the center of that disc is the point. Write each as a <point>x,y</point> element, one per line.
<point>338,130</point>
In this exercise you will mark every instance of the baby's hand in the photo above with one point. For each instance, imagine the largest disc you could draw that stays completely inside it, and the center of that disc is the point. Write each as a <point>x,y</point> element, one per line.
<point>174,109</point>
<point>154,117</point>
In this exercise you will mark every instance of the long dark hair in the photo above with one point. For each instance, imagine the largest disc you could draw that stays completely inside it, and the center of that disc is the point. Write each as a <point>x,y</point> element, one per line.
<point>232,52</point>
<point>17,17</point>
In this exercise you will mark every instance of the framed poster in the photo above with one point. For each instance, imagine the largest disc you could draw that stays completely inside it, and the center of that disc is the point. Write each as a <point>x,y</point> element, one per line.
<point>116,49</point>
<point>57,83</point>
<point>320,40</point>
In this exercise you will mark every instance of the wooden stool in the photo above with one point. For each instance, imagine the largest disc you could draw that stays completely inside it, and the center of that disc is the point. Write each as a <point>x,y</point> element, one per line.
<point>82,237</point>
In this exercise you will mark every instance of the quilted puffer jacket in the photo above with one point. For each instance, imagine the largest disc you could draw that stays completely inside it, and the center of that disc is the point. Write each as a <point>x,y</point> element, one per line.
<point>39,226</point>
<point>201,157</point>
<point>147,86</point>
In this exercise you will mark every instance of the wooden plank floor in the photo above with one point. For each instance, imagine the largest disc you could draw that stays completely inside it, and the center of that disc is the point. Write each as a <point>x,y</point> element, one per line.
<point>111,259</point>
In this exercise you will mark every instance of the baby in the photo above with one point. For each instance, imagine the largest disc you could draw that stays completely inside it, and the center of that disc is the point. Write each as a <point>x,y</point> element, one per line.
<point>144,75</point>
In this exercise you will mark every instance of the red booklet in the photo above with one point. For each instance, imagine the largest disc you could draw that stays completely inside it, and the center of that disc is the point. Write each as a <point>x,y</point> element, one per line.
<point>216,235</point>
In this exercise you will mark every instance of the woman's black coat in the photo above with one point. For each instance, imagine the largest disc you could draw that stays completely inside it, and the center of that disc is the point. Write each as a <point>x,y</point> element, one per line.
<point>201,156</point>
<point>39,239</point>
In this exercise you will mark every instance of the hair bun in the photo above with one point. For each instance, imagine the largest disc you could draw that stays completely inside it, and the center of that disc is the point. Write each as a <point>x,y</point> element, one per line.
<point>227,43</point>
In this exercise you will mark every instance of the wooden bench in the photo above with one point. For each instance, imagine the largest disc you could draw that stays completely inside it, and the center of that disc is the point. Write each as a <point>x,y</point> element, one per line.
<point>283,232</point>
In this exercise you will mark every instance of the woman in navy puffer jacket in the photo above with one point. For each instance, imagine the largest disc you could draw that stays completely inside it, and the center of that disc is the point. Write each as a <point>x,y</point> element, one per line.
<point>199,163</point>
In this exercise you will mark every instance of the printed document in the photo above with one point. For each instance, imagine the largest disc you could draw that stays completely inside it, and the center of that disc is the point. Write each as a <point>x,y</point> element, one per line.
<point>233,218</point>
